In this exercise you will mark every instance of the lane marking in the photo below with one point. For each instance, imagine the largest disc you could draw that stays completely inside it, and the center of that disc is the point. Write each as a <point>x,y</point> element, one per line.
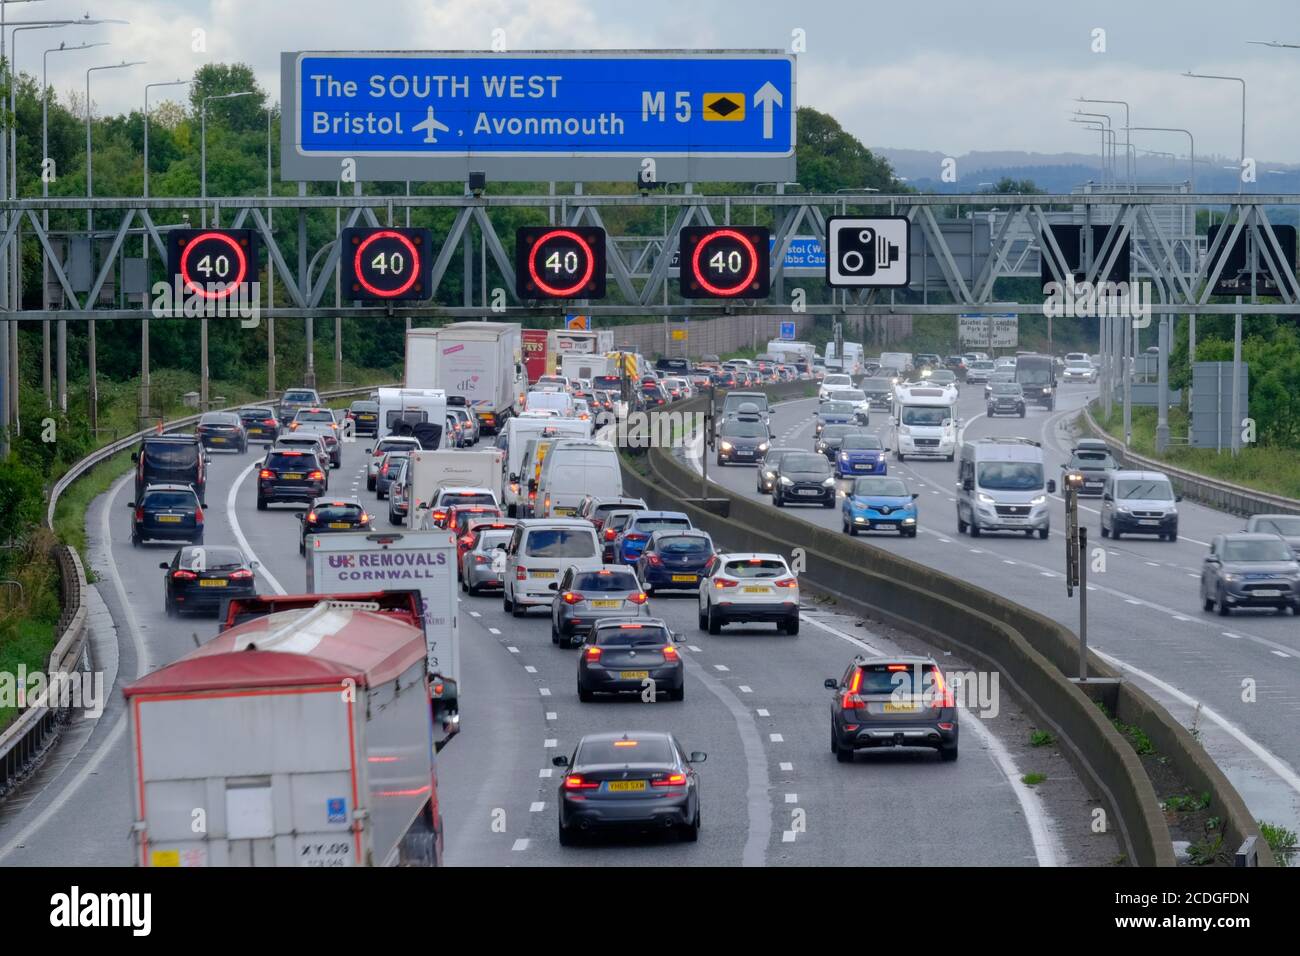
<point>544,691</point>
<point>520,845</point>
<point>776,738</point>
<point>530,668</point>
<point>787,766</point>
<point>512,650</point>
<point>721,667</point>
<point>792,798</point>
<point>544,772</point>
<point>744,689</point>
<point>550,742</point>
<point>233,515</point>
<point>493,630</point>
<point>537,807</point>
<point>762,712</point>
<point>552,715</point>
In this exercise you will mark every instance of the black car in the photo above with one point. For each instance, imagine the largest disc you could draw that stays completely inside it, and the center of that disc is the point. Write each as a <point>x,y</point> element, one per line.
<point>199,579</point>
<point>167,513</point>
<point>1006,398</point>
<point>1249,569</point>
<point>804,477</point>
<point>364,417</point>
<point>332,514</point>
<point>294,476</point>
<point>260,424</point>
<point>742,440</point>
<point>767,468</point>
<point>652,394</point>
<point>223,430</point>
<point>171,459</point>
<point>899,702</point>
<point>674,560</point>
<point>828,442</point>
<point>631,656</point>
<point>643,780</point>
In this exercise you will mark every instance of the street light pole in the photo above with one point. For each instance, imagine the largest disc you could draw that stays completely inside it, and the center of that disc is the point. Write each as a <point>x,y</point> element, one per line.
<point>1129,170</point>
<point>1191,141</point>
<point>62,330</point>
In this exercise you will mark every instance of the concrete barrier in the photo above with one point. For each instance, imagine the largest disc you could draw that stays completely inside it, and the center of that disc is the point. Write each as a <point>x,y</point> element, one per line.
<point>1033,653</point>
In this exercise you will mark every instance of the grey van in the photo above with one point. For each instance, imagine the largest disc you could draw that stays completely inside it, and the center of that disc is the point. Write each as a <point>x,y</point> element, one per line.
<point>1001,487</point>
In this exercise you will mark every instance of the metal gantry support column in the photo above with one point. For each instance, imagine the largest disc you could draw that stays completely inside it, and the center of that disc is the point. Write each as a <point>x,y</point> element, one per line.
<point>309,376</point>
<point>1162,386</point>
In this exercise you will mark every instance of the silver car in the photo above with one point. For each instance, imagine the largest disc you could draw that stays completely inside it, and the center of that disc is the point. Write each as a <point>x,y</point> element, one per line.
<point>387,472</point>
<point>588,595</point>
<point>398,506</point>
<point>376,454</point>
<point>483,566</point>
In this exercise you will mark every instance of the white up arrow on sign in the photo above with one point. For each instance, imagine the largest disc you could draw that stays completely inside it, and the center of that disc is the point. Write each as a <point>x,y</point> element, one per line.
<point>767,96</point>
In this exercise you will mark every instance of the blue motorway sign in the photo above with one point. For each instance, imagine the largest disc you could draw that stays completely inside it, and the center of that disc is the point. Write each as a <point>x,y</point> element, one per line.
<point>787,331</point>
<point>804,252</point>
<point>537,116</point>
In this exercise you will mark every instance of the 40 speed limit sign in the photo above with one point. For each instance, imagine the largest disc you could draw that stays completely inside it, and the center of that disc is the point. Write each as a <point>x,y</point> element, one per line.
<point>212,264</point>
<point>387,265</point>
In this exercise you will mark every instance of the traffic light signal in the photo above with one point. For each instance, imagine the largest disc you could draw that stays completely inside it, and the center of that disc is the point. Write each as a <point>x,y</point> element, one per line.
<point>212,263</point>
<point>560,262</point>
<point>724,262</point>
<point>386,265</point>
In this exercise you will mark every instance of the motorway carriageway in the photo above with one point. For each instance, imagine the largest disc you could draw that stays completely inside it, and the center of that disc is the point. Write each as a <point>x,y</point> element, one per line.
<point>772,792</point>
<point>1144,610</point>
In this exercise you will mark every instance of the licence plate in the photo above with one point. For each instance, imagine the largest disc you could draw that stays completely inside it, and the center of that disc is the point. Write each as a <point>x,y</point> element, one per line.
<point>340,525</point>
<point>217,438</point>
<point>757,590</point>
<point>169,519</point>
<point>809,491</point>
<point>564,511</point>
<point>212,583</point>
<point>690,578</point>
<point>367,418</point>
<point>542,574</point>
<point>633,675</point>
<point>893,708</point>
<point>606,603</point>
<point>1266,592</point>
<point>626,786</point>
<point>1149,521</point>
<point>292,477</point>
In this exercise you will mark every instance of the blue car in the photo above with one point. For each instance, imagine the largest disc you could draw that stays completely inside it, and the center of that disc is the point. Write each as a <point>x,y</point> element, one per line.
<point>674,559</point>
<point>634,536</point>
<point>860,455</point>
<point>835,413</point>
<point>879,504</point>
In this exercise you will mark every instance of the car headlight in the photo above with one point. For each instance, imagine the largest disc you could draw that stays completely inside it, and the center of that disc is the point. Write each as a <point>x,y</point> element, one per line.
<point>726,446</point>
<point>844,456</point>
<point>829,483</point>
<point>1124,511</point>
<point>904,430</point>
<point>1039,500</point>
<point>769,475</point>
<point>786,481</point>
<point>984,499</point>
<point>763,447</point>
<point>1047,390</point>
<point>909,521</point>
<point>1231,577</point>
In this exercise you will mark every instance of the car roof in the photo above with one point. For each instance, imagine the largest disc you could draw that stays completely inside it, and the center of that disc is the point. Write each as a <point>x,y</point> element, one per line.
<point>179,439</point>
<point>609,736</point>
<point>681,533</point>
<point>339,499</point>
<point>1251,536</point>
<point>861,659</point>
<point>661,514</point>
<point>168,486</point>
<point>1140,475</point>
<point>751,555</point>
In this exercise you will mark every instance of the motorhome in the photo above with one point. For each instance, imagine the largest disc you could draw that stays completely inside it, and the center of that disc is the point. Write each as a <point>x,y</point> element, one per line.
<point>925,422</point>
<point>412,405</point>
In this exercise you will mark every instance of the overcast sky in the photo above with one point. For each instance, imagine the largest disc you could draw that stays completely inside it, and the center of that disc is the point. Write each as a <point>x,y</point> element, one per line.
<point>947,75</point>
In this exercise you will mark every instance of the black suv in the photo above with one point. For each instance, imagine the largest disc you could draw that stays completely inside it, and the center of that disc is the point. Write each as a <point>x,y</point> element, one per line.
<point>896,702</point>
<point>289,476</point>
<point>326,515</point>
<point>805,478</point>
<point>171,459</point>
<point>167,513</point>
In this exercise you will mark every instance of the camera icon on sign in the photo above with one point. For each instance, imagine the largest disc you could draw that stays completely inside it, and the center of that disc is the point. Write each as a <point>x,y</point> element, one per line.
<point>863,251</point>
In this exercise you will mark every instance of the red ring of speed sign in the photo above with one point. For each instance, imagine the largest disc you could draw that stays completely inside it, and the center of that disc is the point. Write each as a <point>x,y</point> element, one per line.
<point>725,234</point>
<point>230,286</point>
<point>410,248</point>
<point>552,290</point>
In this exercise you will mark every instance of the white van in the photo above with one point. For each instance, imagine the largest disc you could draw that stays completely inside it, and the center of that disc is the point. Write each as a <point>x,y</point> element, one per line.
<point>414,405</point>
<point>925,422</point>
<point>1000,487</point>
<point>561,402</point>
<point>538,551</point>
<point>516,434</point>
<point>572,470</point>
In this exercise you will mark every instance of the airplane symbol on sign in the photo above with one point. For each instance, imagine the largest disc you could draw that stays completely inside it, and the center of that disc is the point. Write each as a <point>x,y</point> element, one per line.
<point>429,125</point>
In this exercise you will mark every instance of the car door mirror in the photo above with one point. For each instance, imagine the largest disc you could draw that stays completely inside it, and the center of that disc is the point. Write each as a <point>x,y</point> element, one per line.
<point>164,565</point>
<point>300,516</point>
<point>1107,497</point>
<point>560,761</point>
<point>968,484</point>
<point>1051,486</point>
<point>254,565</point>
<point>135,456</point>
<point>698,756</point>
<point>1178,497</point>
<point>830,683</point>
<point>915,495</point>
<point>369,451</point>
<point>553,586</point>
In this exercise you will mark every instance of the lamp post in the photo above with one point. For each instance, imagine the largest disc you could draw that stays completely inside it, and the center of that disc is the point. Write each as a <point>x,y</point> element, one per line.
<point>1110,134</point>
<point>1129,170</point>
<point>1191,140</point>
<point>145,380</point>
<point>62,333</point>
<point>270,272</point>
<point>203,144</point>
<point>93,393</point>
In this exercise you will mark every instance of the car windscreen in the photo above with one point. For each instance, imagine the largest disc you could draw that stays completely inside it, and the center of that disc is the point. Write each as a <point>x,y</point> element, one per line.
<point>943,376</point>
<point>684,544</point>
<point>299,396</point>
<point>315,416</point>
<point>654,750</point>
<point>560,543</point>
<point>661,523</point>
<point>255,414</point>
<point>488,540</point>
<point>219,418</point>
<point>393,460</point>
<point>897,678</point>
<point>1034,375</point>
<point>981,366</point>
<point>833,380</point>
<point>877,385</point>
<point>838,408</point>
<point>926,415</point>
<point>732,403</point>
<point>388,445</point>
<point>852,395</point>
<point>411,418</point>
<point>365,406</point>
<point>337,511</point>
<point>210,559</point>
<point>1260,550</point>
<point>880,488</point>
<point>639,635</point>
<point>1092,460</point>
<point>1279,525</point>
<point>618,519</point>
<point>468,498</point>
<point>861,441</point>
<point>836,432</point>
<point>1154,489</point>
<point>1011,475</point>
<point>1007,388</point>
<point>464,518</point>
<point>605,581</point>
<point>171,456</point>
<point>291,461</point>
<point>154,500</point>
<point>603,510</point>
<point>805,463</point>
<point>734,429</point>
<point>756,568</point>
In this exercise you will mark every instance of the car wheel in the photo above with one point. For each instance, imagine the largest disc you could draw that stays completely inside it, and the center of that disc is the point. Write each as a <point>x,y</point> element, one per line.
<point>949,754</point>
<point>1115,533</point>
<point>1224,610</point>
<point>792,625</point>
<point>1105,532</point>
<point>261,504</point>
<point>851,529</point>
<point>585,695</point>
<point>961,525</point>
<point>1207,603</point>
<point>197,539</point>
<point>900,456</point>
<point>691,832</point>
<point>703,620</point>
<point>1022,413</point>
<point>778,500</point>
<point>370,484</point>
<point>974,527</point>
<point>507,606</point>
<point>555,635</point>
<point>714,622</point>
<point>168,607</point>
<point>302,549</point>
<point>911,532</point>
<point>463,586</point>
<point>1044,532</point>
<point>567,836</point>
<point>517,609</point>
<point>843,754</point>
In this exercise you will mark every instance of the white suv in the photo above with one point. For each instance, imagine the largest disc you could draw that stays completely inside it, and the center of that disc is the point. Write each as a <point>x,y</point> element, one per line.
<point>539,550</point>
<point>384,445</point>
<point>749,587</point>
<point>832,382</point>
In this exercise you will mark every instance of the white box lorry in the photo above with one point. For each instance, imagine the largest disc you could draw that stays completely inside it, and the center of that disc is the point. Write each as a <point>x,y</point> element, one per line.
<point>480,361</point>
<point>576,366</point>
<point>518,432</point>
<point>300,737</point>
<point>344,562</point>
<point>428,471</point>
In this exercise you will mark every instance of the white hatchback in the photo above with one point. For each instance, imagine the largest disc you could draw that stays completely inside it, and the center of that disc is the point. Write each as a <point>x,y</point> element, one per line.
<point>748,587</point>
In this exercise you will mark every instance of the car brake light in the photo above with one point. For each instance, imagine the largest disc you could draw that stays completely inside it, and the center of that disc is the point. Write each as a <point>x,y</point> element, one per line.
<point>184,575</point>
<point>638,598</point>
<point>943,695</point>
<point>672,780</point>
<point>654,559</point>
<point>571,597</point>
<point>198,515</point>
<point>787,582</point>
<point>243,574</point>
<point>592,653</point>
<point>317,475</point>
<point>364,519</point>
<point>633,536</point>
<point>293,426</point>
<point>725,583</point>
<point>521,573</point>
<point>610,534</point>
<point>440,516</point>
<point>269,421</point>
<point>311,516</point>
<point>670,653</point>
<point>467,540</point>
<point>139,514</point>
<point>578,782</point>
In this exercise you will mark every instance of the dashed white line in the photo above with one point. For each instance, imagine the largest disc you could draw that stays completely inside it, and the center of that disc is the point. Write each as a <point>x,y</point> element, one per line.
<point>744,689</point>
<point>697,650</point>
<point>762,712</point>
<point>1235,637</point>
<point>787,836</point>
<point>1279,654</point>
<point>552,715</point>
<point>792,798</point>
<point>475,614</point>
<point>537,807</point>
<point>787,766</point>
<point>520,845</point>
<point>721,667</point>
<point>493,630</point>
<point>530,668</point>
<point>776,738</point>
<point>550,742</point>
<point>544,772</point>
<point>544,691</point>
<point>512,650</point>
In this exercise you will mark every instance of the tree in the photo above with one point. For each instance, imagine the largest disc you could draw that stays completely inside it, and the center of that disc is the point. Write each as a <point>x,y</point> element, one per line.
<point>241,115</point>
<point>830,158</point>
